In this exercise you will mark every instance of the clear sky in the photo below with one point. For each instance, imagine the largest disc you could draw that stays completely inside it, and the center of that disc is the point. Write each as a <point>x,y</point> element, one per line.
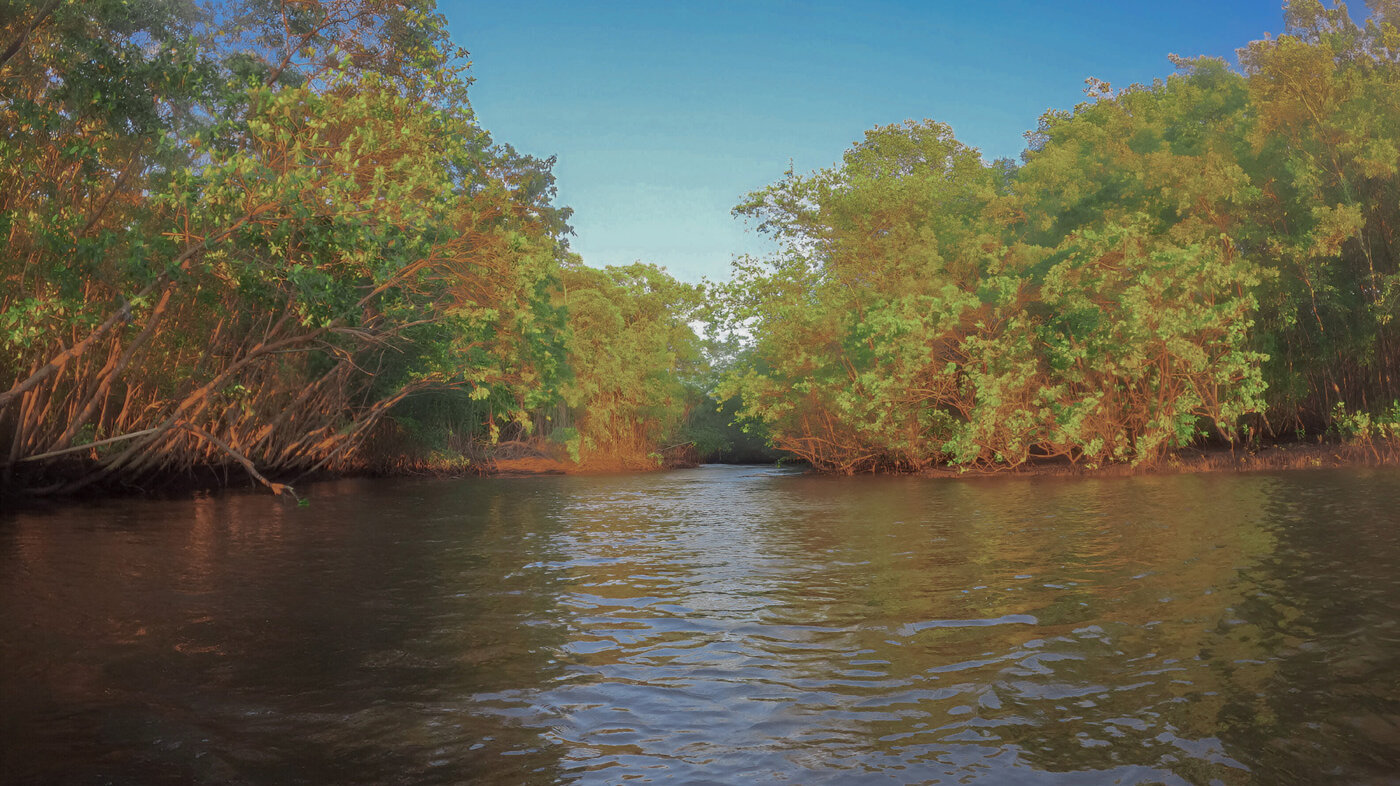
<point>663,115</point>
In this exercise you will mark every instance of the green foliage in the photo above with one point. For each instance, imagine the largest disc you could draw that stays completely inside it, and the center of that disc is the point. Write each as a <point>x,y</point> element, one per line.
<point>1366,427</point>
<point>859,318</point>
<point>718,438</point>
<point>1094,303</point>
<point>1325,155</point>
<point>258,230</point>
<point>634,360</point>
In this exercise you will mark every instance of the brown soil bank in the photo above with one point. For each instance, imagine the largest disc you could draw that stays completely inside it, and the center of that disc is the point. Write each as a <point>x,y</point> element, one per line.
<point>1266,458</point>
<point>1190,460</point>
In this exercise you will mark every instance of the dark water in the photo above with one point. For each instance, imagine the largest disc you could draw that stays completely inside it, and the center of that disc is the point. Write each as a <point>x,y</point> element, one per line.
<point>719,625</point>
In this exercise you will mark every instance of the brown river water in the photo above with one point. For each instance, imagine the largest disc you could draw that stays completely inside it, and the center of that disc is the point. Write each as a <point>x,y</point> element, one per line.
<point>717,625</point>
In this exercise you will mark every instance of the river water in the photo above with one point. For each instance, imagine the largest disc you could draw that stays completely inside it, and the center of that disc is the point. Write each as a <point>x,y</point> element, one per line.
<point>718,625</point>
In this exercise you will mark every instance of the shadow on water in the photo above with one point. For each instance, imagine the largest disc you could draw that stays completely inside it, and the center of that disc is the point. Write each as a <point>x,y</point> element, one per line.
<point>714,625</point>
<point>237,639</point>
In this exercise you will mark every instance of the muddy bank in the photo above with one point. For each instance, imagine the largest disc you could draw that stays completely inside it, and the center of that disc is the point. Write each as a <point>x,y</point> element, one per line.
<point>1286,456</point>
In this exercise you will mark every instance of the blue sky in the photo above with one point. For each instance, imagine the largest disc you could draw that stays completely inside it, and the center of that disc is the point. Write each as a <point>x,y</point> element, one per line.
<point>663,115</point>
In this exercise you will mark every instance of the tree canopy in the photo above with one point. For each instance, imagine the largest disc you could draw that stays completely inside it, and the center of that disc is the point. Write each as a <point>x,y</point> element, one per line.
<point>1209,257</point>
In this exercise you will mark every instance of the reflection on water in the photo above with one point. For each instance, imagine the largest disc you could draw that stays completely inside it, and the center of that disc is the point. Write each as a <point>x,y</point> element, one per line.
<point>713,625</point>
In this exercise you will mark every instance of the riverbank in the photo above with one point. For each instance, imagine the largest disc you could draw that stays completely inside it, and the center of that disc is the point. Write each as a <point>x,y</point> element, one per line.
<point>538,463</point>
<point>1267,458</point>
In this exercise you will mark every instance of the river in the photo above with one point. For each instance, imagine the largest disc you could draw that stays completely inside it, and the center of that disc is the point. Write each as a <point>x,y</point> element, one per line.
<point>716,625</point>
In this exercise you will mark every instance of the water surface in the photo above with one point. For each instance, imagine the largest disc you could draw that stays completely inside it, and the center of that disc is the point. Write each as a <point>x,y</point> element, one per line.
<point>718,625</point>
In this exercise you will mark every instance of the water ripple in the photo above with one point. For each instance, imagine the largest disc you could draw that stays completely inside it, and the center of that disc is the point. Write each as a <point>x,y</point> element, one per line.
<point>715,626</point>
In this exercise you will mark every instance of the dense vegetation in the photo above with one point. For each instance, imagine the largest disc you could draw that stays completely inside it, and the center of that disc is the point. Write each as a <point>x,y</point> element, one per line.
<point>1211,257</point>
<point>273,234</point>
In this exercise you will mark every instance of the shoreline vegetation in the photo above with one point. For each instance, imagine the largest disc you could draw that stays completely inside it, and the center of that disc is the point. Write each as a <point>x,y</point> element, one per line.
<point>270,239</point>
<point>1276,457</point>
<point>1265,458</point>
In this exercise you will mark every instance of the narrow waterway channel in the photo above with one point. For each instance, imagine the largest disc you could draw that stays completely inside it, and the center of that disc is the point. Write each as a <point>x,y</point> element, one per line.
<point>717,625</point>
